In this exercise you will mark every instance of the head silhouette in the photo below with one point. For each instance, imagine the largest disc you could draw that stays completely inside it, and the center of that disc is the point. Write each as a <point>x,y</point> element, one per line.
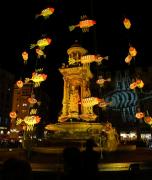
<point>16,169</point>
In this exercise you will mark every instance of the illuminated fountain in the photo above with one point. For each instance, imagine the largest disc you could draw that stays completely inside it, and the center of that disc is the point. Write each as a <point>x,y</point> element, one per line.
<point>77,120</point>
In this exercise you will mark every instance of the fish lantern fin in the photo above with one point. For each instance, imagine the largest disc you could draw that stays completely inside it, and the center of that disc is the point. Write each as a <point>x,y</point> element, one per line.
<point>32,46</point>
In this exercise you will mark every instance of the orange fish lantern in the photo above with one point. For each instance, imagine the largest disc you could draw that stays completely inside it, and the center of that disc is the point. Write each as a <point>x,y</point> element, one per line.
<point>13,114</point>
<point>101,81</point>
<point>32,100</point>
<point>133,85</point>
<point>37,119</point>
<point>42,43</point>
<point>84,25</point>
<point>139,115</point>
<point>132,51</point>
<point>19,84</point>
<point>46,12</point>
<point>25,57</point>
<point>140,83</point>
<point>128,59</point>
<point>148,120</point>
<point>92,58</point>
<point>40,53</point>
<point>127,23</point>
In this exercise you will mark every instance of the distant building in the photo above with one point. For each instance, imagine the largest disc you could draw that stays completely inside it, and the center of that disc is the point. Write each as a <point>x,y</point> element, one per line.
<point>22,107</point>
<point>6,88</point>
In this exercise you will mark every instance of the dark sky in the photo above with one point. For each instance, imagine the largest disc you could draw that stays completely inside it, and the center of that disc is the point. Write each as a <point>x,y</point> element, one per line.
<point>19,29</point>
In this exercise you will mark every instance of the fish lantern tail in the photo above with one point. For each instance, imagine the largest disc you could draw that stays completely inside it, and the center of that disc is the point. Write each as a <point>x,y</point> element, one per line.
<point>106,57</point>
<point>36,16</point>
<point>71,28</point>
<point>32,46</point>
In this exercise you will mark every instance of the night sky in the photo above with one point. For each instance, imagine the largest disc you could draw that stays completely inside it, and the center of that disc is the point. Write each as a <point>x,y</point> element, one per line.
<point>19,29</point>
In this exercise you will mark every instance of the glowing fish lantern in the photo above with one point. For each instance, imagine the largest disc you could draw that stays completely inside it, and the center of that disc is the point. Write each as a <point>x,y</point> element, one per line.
<point>148,120</point>
<point>40,53</point>
<point>91,101</point>
<point>38,78</point>
<point>84,25</point>
<point>92,58</point>
<point>19,84</point>
<point>140,83</point>
<point>46,12</point>
<point>139,115</point>
<point>133,85</point>
<point>128,59</point>
<point>132,51</point>
<point>127,23</point>
<point>42,43</point>
<point>32,100</point>
<point>30,121</point>
<point>25,57</point>
<point>13,114</point>
<point>101,81</point>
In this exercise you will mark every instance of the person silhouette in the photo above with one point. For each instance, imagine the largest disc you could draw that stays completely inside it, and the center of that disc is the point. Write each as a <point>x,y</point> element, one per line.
<point>16,169</point>
<point>90,160</point>
<point>72,163</point>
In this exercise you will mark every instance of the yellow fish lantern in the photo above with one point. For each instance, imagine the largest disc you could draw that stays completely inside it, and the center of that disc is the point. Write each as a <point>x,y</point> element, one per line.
<point>46,12</point>
<point>139,115</point>
<point>13,114</point>
<point>91,101</point>
<point>37,78</point>
<point>127,23</point>
<point>30,121</point>
<point>133,85</point>
<point>132,51</point>
<point>25,57</point>
<point>42,43</point>
<point>148,120</point>
<point>140,83</point>
<point>19,84</point>
<point>128,59</point>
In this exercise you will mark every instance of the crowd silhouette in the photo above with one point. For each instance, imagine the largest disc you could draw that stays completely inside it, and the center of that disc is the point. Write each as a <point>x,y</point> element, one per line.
<point>79,164</point>
<point>16,169</point>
